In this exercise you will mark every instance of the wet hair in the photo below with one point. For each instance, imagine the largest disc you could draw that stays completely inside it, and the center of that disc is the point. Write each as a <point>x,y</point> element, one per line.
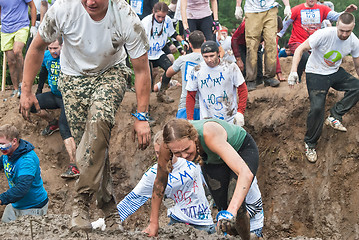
<point>209,46</point>
<point>9,132</point>
<point>346,18</point>
<point>177,129</point>
<point>196,38</point>
<point>158,138</point>
<point>280,23</point>
<point>159,7</point>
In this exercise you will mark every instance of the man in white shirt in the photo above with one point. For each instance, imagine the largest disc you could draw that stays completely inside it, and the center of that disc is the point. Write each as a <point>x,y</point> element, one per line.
<point>92,83</point>
<point>323,71</point>
<point>217,83</point>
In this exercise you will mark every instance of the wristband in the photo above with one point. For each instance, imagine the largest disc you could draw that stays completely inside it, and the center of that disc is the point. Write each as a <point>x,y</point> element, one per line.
<point>141,116</point>
<point>224,214</point>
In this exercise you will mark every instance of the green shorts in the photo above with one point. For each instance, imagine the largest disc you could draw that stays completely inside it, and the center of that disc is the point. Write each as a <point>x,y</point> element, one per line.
<point>8,39</point>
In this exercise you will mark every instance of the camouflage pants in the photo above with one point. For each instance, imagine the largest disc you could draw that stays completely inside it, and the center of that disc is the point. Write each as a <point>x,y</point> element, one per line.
<point>91,103</point>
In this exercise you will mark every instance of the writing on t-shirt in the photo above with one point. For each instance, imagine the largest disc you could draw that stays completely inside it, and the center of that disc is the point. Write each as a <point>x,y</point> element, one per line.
<point>214,80</point>
<point>188,70</point>
<point>200,212</point>
<point>310,19</point>
<point>137,6</point>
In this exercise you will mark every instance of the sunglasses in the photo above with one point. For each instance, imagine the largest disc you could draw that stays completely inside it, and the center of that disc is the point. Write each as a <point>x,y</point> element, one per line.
<point>4,147</point>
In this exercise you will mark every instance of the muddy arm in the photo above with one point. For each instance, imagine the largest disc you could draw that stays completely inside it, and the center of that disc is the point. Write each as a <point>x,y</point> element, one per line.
<point>158,190</point>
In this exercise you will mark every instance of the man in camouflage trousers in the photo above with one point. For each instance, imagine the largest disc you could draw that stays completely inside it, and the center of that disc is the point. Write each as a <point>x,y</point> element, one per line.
<point>93,84</point>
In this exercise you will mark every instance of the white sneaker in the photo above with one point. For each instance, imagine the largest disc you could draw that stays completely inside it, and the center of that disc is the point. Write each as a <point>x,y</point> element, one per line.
<point>335,123</point>
<point>310,153</point>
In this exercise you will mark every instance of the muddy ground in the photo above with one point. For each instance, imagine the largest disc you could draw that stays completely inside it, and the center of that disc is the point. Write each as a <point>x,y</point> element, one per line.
<point>301,200</point>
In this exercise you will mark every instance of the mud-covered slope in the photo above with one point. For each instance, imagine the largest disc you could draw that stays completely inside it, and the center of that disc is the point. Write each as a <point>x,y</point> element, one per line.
<point>300,198</point>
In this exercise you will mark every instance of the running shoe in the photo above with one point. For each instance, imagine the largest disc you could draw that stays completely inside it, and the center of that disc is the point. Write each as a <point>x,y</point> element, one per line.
<point>335,123</point>
<point>310,153</point>
<point>51,128</point>
<point>72,172</point>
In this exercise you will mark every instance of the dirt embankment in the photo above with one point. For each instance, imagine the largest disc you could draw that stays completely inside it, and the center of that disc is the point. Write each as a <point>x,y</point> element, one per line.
<point>301,200</point>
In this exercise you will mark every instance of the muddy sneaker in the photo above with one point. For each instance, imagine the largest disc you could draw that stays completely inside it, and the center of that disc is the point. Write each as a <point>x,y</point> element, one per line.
<point>72,172</point>
<point>80,214</point>
<point>271,82</point>
<point>251,86</point>
<point>310,153</point>
<point>51,128</point>
<point>335,123</point>
<point>162,97</point>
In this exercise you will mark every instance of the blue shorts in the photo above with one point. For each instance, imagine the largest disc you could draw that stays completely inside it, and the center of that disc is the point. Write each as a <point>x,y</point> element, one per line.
<point>181,113</point>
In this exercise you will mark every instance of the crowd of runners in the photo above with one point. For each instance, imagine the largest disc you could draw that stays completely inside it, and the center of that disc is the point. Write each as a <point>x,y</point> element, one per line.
<point>88,51</point>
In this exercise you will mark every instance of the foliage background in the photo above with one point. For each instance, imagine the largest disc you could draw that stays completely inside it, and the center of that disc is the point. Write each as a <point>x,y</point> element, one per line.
<point>226,17</point>
<point>227,8</point>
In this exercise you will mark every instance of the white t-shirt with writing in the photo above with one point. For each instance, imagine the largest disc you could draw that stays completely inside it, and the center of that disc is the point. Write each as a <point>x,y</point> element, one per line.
<point>91,47</point>
<point>186,64</point>
<point>185,187</point>
<point>217,89</point>
<point>328,51</point>
<point>160,33</point>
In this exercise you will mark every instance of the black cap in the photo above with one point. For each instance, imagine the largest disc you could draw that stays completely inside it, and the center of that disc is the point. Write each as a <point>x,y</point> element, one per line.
<point>209,46</point>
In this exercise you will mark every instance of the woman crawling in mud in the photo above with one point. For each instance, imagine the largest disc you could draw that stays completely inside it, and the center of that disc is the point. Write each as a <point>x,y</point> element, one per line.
<point>227,154</point>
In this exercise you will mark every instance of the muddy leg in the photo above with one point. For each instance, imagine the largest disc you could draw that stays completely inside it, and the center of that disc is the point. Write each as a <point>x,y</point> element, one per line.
<point>242,223</point>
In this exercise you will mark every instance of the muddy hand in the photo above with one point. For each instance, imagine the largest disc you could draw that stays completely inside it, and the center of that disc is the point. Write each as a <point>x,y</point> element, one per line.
<point>151,230</point>
<point>143,132</point>
<point>27,100</point>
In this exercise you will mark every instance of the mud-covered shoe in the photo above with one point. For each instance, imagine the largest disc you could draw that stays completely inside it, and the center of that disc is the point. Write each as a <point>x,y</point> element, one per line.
<point>335,123</point>
<point>271,82</point>
<point>251,86</point>
<point>162,97</point>
<point>310,153</point>
<point>71,172</point>
<point>51,128</point>
<point>80,214</point>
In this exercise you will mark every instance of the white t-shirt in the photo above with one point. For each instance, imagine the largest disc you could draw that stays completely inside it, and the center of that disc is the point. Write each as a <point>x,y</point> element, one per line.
<point>252,6</point>
<point>157,42</point>
<point>328,51</point>
<point>227,47</point>
<point>185,187</point>
<point>186,64</point>
<point>217,89</point>
<point>91,47</point>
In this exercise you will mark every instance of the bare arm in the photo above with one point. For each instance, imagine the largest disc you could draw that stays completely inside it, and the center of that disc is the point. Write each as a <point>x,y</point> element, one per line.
<point>298,55</point>
<point>239,3</point>
<point>356,65</point>
<point>170,72</point>
<point>285,2</point>
<point>143,89</point>
<point>43,9</point>
<point>32,12</point>
<point>215,138</point>
<point>159,187</point>
<point>32,64</point>
<point>214,7</point>
<point>184,14</point>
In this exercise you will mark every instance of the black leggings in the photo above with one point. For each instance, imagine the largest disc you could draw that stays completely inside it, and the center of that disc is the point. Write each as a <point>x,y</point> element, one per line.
<point>164,62</point>
<point>221,180</point>
<point>204,25</point>
<point>48,100</point>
